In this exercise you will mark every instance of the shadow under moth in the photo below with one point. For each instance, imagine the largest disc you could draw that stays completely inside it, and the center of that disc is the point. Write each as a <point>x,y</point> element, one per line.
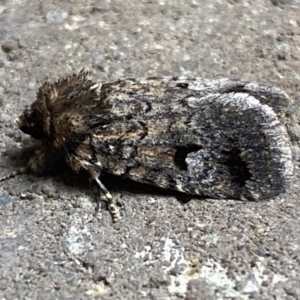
<point>217,138</point>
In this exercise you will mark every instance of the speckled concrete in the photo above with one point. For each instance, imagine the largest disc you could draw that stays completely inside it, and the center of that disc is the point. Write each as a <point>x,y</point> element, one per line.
<point>53,246</point>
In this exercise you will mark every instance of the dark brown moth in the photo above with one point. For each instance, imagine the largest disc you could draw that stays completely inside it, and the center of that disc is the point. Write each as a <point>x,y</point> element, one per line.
<point>217,138</point>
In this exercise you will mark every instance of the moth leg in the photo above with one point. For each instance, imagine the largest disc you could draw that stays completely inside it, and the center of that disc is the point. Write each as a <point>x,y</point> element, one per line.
<point>15,173</point>
<point>112,206</point>
<point>36,164</point>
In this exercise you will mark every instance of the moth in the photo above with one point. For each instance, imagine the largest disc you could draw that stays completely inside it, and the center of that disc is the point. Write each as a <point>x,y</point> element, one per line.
<point>217,138</point>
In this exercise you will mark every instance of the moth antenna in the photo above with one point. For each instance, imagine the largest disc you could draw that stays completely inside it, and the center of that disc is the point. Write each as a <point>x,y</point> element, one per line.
<point>15,173</point>
<point>112,206</point>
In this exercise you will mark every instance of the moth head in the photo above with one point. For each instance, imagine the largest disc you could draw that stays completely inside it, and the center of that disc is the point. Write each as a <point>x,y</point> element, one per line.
<point>35,120</point>
<point>73,93</point>
<point>29,123</point>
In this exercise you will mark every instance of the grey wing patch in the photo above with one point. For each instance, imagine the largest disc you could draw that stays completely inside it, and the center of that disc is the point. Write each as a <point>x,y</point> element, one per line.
<point>248,154</point>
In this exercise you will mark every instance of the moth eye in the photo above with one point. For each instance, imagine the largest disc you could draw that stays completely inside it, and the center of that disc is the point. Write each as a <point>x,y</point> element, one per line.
<point>32,131</point>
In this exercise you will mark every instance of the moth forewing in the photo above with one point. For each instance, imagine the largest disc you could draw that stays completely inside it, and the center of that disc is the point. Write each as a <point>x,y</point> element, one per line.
<point>223,146</point>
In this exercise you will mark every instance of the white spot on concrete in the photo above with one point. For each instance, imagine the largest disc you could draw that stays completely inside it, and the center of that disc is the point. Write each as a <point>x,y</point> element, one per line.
<point>56,15</point>
<point>174,254</point>
<point>216,275</point>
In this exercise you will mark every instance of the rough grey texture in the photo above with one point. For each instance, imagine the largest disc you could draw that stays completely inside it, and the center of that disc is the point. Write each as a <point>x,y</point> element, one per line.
<point>51,243</point>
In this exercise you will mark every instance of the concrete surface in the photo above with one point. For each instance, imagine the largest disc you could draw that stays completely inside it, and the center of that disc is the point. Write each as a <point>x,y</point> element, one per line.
<point>53,246</point>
